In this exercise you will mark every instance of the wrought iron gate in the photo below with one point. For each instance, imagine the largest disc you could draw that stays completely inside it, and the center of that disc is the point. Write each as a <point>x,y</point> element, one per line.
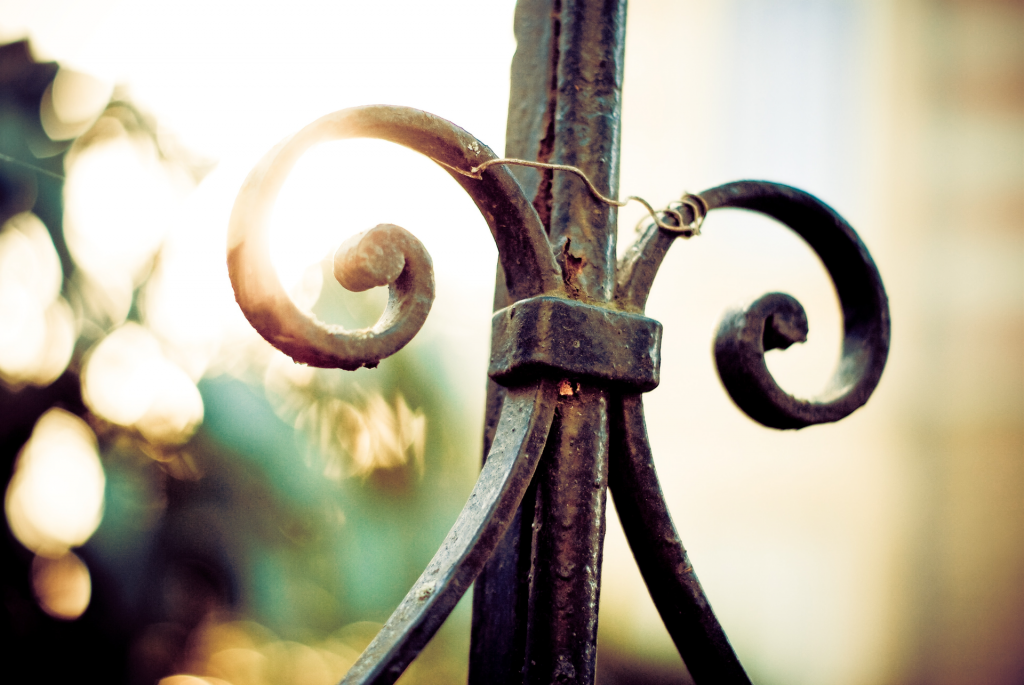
<point>571,354</point>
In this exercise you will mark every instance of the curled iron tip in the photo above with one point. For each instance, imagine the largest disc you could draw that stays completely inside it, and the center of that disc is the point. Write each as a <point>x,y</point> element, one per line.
<point>384,255</point>
<point>776,320</point>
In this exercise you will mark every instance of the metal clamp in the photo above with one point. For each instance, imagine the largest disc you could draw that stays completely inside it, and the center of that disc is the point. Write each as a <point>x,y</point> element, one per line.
<point>542,336</point>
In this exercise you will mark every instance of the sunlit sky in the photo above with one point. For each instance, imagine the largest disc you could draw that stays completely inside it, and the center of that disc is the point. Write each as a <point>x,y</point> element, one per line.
<point>233,77</point>
<point>230,79</point>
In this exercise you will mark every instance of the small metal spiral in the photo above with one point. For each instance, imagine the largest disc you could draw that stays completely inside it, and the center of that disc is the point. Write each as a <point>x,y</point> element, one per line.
<point>778,320</point>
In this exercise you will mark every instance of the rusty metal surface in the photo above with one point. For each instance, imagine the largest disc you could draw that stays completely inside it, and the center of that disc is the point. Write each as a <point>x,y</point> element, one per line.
<point>545,336</point>
<point>571,344</point>
<point>639,266</point>
<point>568,537</point>
<point>569,521</point>
<point>586,129</point>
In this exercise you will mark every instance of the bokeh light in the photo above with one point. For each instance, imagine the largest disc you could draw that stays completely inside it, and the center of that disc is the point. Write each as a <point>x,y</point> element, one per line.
<point>188,301</point>
<point>119,198</point>
<point>192,680</point>
<point>128,381</point>
<point>55,498</point>
<point>62,585</point>
<point>355,436</point>
<point>72,103</point>
<point>247,653</point>
<point>38,333</point>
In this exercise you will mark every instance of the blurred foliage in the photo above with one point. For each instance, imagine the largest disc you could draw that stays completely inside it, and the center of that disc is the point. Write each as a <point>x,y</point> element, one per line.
<point>260,540</point>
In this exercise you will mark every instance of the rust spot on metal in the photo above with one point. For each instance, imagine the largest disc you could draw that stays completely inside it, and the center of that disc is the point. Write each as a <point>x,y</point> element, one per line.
<point>572,267</point>
<point>542,201</point>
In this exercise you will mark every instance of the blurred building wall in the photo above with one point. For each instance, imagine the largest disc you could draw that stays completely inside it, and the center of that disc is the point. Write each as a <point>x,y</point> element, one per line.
<point>956,198</point>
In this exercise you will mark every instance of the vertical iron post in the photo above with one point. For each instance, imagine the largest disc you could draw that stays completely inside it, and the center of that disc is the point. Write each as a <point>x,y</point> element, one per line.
<point>536,604</point>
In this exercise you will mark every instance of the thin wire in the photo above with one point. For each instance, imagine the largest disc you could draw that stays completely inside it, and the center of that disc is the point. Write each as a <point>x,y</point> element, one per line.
<point>18,162</point>
<point>695,202</point>
<point>686,230</point>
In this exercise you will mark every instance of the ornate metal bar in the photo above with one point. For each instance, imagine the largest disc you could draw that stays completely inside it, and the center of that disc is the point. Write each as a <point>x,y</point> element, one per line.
<point>526,417</point>
<point>570,354</point>
<point>659,552</point>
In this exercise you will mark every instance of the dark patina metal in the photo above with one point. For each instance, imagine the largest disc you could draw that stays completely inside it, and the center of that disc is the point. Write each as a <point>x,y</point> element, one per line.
<point>552,336</point>
<point>571,353</point>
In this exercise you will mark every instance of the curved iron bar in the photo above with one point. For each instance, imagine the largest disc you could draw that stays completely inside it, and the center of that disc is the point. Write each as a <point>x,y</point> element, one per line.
<point>526,418</point>
<point>659,553</point>
<point>778,320</point>
<point>522,244</point>
<point>640,502</point>
<point>773,321</point>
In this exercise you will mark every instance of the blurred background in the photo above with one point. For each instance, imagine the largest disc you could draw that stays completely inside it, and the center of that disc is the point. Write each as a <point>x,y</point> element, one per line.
<point>184,503</point>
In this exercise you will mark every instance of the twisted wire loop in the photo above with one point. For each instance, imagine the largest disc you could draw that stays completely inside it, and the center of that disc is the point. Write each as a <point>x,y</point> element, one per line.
<point>773,321</point>
<point>670,218</point>
<point>386,254</point>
